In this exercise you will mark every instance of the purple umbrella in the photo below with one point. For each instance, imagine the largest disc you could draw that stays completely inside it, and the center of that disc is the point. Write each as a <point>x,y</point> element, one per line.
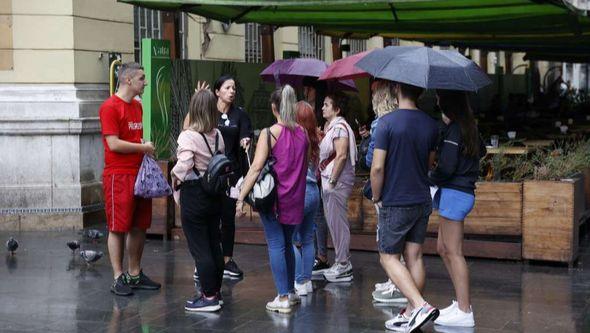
<point>293,71</point>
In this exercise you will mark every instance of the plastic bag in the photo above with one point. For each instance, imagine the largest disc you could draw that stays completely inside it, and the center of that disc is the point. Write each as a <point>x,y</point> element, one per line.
<point>150,181</point>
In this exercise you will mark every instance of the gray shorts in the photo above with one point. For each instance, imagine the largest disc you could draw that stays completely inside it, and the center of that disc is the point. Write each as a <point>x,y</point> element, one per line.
<point>398,225</point>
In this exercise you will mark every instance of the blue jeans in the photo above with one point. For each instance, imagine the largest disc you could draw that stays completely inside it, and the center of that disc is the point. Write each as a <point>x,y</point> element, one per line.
<point>321,232</point>
<point>279,238</point>
<point>303,237</point>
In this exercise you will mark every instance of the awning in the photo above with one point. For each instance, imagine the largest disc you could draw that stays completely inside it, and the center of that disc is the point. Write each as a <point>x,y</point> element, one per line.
<point>520,25</point>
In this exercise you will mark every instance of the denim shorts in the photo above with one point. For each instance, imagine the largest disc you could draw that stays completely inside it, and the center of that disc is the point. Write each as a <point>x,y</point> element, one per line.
<point>452,204</point>
<point>398,225</point>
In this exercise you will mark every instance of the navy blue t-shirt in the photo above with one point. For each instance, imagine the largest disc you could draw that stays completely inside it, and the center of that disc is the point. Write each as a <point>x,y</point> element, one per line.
<point>408,136</point>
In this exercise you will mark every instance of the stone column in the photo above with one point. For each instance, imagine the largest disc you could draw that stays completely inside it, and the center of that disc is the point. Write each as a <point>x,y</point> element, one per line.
<point>50,145</point>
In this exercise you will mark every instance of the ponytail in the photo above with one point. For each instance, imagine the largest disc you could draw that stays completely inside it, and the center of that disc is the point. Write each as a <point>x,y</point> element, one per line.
<point>284,99</point>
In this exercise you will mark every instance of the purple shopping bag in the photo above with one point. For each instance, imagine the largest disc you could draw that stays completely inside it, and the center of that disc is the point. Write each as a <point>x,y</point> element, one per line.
<point>150,182</point>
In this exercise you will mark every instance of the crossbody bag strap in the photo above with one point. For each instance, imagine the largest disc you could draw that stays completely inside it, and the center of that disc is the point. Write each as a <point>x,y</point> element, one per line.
<point>207,143</point>
<point>216,142</point>
<point>268,141</point>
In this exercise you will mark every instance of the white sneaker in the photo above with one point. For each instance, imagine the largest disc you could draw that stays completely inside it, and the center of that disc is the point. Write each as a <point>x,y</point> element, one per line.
<point>339,273</point>
<point>453,329</point>
<point>383,286</point>
<point>279,306</point>
<point>309,286</point>
<point>456,318</point>
<point>391,295</point>
<point>301,289</point>
<point>294,299</point>
<point>449,308</point>
<point>398,323</point>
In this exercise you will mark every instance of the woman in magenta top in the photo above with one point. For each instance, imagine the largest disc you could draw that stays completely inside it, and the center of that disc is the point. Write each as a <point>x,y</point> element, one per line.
<point>289,148</point>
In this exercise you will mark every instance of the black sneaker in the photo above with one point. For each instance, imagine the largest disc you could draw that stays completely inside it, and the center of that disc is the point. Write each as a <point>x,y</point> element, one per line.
<point>232,270</point>
<point>202,304</point>
<point>120,287</point>
<point>141,281</point>
<point>421,316</point>
<point>320,267</point>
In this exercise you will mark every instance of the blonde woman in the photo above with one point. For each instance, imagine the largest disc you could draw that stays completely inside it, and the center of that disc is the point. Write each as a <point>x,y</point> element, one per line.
<point>289,145</point>
<point>383,103</point>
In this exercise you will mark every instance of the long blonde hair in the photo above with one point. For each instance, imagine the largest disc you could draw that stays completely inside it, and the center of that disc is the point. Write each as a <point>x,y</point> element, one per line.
<point>284,100</point>
<point>202,111</point>
<point>383,100</point>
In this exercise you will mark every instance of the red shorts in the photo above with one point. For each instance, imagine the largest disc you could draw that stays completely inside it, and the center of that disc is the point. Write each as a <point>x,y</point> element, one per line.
<point>124,210</point>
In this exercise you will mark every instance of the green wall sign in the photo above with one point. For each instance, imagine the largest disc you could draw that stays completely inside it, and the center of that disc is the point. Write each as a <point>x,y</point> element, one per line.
<point>155,58</point>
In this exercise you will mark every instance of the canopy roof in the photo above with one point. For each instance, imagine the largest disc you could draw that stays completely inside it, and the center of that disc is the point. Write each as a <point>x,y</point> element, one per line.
<point>519,25</point>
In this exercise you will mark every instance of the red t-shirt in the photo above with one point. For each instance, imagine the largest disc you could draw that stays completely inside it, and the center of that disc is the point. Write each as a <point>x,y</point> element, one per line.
<point>124,120</point>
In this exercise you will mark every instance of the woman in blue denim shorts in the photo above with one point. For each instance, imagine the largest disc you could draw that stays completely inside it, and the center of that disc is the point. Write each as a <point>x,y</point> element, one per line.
<point>460,150</point>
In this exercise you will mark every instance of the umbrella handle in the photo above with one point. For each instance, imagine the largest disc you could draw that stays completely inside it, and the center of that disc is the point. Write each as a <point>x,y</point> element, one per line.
<point>248,158</point>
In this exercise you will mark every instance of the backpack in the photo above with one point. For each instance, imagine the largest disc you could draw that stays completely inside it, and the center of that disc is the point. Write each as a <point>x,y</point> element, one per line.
<point>263,196</point>
<point>215,180</point>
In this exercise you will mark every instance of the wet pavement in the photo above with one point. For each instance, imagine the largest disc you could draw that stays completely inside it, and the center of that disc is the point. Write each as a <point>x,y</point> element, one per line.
<point>44,288</point>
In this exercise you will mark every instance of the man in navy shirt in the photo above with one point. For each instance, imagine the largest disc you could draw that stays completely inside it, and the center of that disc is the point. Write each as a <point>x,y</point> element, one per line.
<point>405,141</point>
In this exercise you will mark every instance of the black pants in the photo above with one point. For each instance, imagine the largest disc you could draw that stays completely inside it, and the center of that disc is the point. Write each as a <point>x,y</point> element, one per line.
<point>228,225</point>
<point>200,214</point>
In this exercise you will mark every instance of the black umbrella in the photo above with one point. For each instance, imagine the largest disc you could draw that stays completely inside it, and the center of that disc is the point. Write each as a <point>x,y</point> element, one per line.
<point>425,67</point>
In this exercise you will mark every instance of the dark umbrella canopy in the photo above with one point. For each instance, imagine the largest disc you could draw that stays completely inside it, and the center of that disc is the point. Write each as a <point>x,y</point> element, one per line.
<point>425,67</point>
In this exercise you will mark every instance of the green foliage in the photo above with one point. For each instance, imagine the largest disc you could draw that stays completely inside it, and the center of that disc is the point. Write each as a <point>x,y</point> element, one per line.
<point>562,161</point>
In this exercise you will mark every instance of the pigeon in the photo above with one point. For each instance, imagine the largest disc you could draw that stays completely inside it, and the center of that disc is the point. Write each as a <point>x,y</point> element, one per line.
<point>11,245</point>
<point>91,256</point>
<point>92,234</point>
<point>73,245</point>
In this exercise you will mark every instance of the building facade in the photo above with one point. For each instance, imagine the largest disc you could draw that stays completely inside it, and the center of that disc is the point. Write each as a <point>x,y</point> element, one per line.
<point>54,59</point>
<point>53,78</point>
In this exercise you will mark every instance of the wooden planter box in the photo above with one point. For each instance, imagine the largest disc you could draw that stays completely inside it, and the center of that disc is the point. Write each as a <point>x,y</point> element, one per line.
<point>355,215</point>
<point>551,219</point>
<point>497,211</point>
<point>497,216</point>
<point>493,229</point>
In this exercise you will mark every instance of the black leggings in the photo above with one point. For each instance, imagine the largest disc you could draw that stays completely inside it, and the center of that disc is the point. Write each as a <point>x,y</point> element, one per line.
<point>228,225</point>
<point>200,215</point>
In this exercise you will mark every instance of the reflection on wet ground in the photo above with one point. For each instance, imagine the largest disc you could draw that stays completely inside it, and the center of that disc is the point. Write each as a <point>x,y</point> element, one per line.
<point>45,288</point>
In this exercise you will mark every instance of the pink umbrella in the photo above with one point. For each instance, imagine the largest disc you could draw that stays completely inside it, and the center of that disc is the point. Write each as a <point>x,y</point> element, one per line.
<point>344,69</point>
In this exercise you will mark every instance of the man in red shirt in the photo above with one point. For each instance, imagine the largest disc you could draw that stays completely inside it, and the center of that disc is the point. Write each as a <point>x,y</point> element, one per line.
<point>127,215</point>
